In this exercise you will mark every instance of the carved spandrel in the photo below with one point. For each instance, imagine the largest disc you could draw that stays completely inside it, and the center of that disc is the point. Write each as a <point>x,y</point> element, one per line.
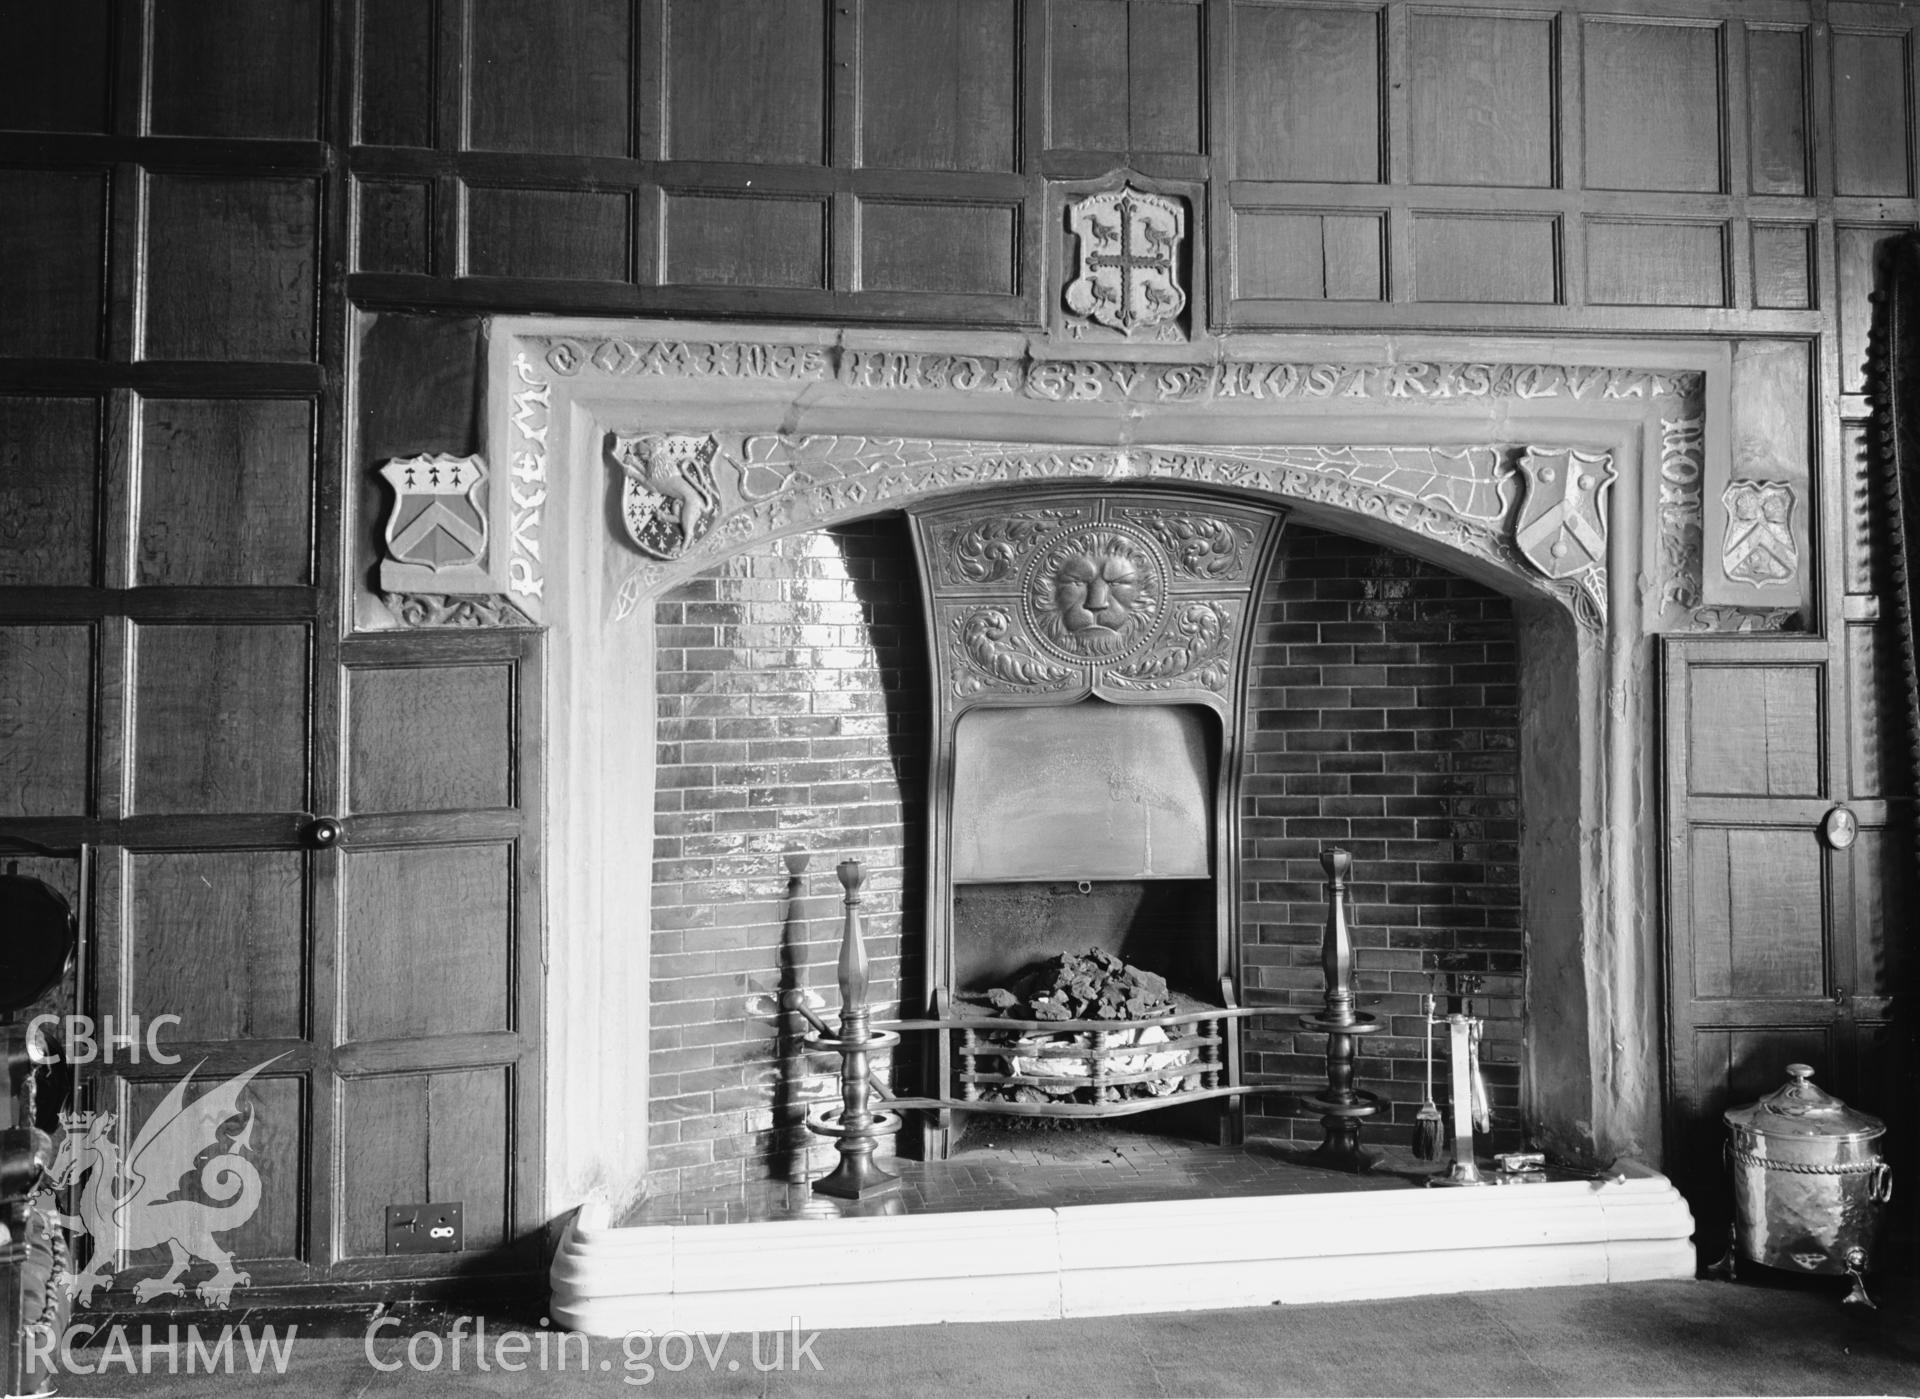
<point>668,497</point>
<point>1195,648</point>
<point>988,653</point>
<point>987,551</point>
<point>1208,548</point>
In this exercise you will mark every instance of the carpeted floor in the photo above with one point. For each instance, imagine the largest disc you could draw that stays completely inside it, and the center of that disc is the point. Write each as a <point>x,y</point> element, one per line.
<point>1778,1337</point>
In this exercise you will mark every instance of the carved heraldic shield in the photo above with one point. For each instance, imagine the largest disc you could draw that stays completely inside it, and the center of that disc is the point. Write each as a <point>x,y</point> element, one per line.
<point>1759,547</point>
<point>1562,525</point>
<point>438,519</point>
<point>668,500</point>
<point>1130,244</point>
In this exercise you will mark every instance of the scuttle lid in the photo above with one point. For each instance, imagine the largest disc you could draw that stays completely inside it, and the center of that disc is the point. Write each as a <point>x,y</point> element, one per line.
<point>1802,1110</point>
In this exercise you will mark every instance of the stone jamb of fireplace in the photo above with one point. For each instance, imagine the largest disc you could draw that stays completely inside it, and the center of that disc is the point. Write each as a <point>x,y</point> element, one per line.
<point>812,427</point>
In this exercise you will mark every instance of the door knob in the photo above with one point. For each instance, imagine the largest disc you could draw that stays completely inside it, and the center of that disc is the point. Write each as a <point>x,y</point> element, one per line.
<point>321,833</point>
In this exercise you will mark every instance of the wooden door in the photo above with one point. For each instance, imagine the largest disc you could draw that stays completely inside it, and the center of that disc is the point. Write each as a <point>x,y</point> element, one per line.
<point>1776,949</point>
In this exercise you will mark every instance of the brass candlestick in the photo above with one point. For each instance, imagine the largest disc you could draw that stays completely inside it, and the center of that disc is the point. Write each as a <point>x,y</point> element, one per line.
<point>857,1129</point>
<point>1342,1107</point>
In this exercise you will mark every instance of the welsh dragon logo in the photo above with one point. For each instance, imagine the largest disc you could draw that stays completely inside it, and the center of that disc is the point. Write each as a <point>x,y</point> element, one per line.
<point>128,1206</point>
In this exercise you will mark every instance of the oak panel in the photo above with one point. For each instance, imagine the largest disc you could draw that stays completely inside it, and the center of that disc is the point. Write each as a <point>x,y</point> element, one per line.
<point>394,234</point>
<point>230,267</point>
<point>219,939</point>
<point>410,1138</point>
<point>427,739</point>
<point>939,247</point>
<point>549,233</point>
<point>237,68</point>
<point>1883,887</point>
<point>48,490</point>
<point>555,77</point>
<point>427,941</point>
<point>1087,75</point>
<point>1871,99</point>
<point>956,114</point>
<point>1877,750</point>
<point>397,73</point>
<point>1470,258</point>
<point>1854,253</point>
<point>1776,915</point>
<point>1749,729</point>
<point>220,718</point>
<point>1306,94</point>
<point>746,80</point>
<point>1652,106</point>
<point>226,492</point>
<point>45,684</point>
<point>270,1133</point>
<point>52,232</point>
<point>745,241</point>
<point>1164,89</point>
<point>1734,1067</point>
<point>1483,102</point>
<point>1777,110</point>
<point>1656,264</point>
<point>1307,256</point>
<point>56,66</point>
<point>1783,266</point>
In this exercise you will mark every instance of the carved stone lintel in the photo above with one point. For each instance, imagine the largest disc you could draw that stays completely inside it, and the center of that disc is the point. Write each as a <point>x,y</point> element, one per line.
<point>428,610</point>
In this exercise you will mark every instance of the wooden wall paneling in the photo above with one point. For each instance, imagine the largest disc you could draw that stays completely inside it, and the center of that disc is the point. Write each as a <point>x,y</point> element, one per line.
<point>745,241</point>
<point>555,78</point>
<point>226,492</point>
<point>1855,251</point>
<point>1757,926</point>
<point>775,50</point>
<point>1872,112</point>
<point>1880,894</point>
<point>49,489</point>
<point>395,72</point>
<point>1485,258</point>
<point>237,68</point>
<point>1306,85</point>
<point>52,250</point>
<point>231,267</point>
<point>415,1137</point>
<point>1165,91</point>
<point>927,247</point>
<point>583,235</point>
<point>959,113</point>
<point>56,68</point>
<point>1086,75</point>
<point>428,943</point>
<point>430,738</point>
<point>1747,729</point>
<point>1653,105</point>
<point>1876,748</point>
<point>393,226</point>
<point>220,939</point>
<point>277,1148</point>
<point>1483,106</point>
<point>46,675</point>
<point>1308,255</point>
<point>221,718</point>
<point>1642,263</point>
<point>1777,110</point>
<point>1783,266</point>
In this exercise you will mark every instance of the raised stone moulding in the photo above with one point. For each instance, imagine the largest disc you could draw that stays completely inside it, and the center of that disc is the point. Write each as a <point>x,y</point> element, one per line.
<point>668,499</point>
<point>438,519</point>
<point>1130,249</point>
<point>1759,547</point>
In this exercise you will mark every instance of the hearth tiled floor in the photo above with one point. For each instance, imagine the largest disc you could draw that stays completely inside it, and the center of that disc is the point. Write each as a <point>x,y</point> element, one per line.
<point>1016,1168</point>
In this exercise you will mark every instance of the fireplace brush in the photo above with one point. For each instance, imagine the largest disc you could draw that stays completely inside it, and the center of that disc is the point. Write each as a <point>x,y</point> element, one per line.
<point>1427,1122</point>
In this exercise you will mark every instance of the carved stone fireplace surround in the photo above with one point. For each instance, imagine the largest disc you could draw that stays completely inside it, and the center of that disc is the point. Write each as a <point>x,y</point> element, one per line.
<point>624,457</point>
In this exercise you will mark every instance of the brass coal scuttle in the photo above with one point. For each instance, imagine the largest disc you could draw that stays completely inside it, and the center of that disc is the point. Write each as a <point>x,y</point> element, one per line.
<point>1808,1181</point>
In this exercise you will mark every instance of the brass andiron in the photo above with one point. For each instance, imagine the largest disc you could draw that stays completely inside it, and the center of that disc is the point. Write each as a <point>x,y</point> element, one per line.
<point>1342,1107</point>
<point>854,1125</point>
<point>1469,1100</point>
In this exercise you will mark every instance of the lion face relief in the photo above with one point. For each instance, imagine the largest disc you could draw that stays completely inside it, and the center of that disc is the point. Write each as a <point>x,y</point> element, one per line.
<point>1094,593</point>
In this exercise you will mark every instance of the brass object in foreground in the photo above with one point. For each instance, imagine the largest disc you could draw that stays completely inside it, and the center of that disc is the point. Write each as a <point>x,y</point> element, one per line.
<point>1808,1181</point>
<point>855,1126</point>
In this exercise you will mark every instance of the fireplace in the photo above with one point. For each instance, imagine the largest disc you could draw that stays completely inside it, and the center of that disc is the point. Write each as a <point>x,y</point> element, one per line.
<point>684,496</point>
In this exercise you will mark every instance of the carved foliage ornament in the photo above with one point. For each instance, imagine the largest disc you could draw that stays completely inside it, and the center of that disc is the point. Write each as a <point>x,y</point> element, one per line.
<point>668,499</point>
<point>1130,251</point>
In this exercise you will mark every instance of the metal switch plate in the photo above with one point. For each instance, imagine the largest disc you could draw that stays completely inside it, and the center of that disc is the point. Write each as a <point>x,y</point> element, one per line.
<point>425,1228</point>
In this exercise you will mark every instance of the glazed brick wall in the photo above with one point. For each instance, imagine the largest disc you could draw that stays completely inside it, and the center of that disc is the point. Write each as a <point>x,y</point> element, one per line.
<point>1382,719</point>
<point>793,713</point>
